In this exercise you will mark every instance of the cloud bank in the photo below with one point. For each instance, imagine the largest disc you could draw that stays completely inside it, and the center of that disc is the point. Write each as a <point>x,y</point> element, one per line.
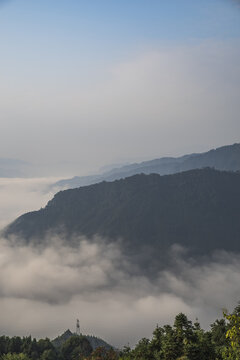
<point>43,290</point>
<point>22,195</point>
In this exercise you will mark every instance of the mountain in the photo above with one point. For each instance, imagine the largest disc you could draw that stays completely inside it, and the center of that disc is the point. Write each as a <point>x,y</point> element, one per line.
<point>198,209</point>
<point>60,340</point>
<point>223,158</point>
<point>94,341</point>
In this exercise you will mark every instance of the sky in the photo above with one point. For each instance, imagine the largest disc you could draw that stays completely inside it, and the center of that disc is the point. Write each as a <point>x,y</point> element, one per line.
<point>88,83</point>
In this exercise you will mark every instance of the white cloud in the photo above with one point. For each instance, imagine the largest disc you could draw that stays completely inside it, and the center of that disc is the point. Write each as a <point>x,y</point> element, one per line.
<point>22,195</point>
<point>45,289</point>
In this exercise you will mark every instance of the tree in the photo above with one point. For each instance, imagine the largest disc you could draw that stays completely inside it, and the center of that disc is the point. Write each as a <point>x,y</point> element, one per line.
<point>15,345</point>
<point>143,350</point>
<point>126,353</point>
<point>232,350</point>
<point>4,340</point>
<point>19,356</point>
<point>103,354</point>
<point>219,340</point>
<point>184,333</point>
<point>170,348</point>
<point>49,354</point>
<point>76,347</point>
<point>157,342</point>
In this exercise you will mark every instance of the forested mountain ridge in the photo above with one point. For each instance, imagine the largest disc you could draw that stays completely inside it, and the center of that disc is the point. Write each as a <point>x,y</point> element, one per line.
<point>223,158</point>
<point>198,209</point>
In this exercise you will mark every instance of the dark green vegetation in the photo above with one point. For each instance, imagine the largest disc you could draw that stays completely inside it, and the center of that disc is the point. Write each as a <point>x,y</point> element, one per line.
<point>182,341</point>
<point>94,341</point>
<point>198,209</point>
<point>223,158</point>
<point>187,341</point>
<point>76,347</point>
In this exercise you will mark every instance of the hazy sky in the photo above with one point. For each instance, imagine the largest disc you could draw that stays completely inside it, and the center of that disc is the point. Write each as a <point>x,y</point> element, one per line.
<point>96,82</point>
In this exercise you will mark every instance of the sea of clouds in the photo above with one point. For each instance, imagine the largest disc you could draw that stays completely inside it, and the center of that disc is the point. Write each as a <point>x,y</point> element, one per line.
<point>43,289</point>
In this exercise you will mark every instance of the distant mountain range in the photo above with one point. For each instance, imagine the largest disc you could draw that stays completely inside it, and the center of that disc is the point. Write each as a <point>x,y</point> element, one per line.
<point>94,341</point>
<point>198,209</point>
<point>223,158</point>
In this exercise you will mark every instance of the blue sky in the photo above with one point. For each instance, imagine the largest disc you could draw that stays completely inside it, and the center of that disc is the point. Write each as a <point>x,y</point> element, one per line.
<point>115,26</point>
<point>58,55</point>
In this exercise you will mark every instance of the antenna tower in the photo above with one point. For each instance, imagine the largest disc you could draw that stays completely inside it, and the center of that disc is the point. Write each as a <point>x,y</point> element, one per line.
<point>78,328</point>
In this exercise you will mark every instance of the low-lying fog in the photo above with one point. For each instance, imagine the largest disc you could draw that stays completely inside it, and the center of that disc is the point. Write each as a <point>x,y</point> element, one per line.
<point>44,290</point>
<point>22,195</point>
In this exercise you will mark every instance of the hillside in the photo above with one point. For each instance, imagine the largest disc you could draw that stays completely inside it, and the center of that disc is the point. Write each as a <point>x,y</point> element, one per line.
<point>198,209</point>
<point>94,341</point>
<point>223,158</point>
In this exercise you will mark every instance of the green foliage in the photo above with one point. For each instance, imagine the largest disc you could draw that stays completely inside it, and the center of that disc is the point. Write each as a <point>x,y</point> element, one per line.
<point>219,340</point>
<point>75,348</point>
<point>187,341</point>
<point>232,351</point>
<point>10,356</point>
<point>26,347</point>
<point>182,341</point>
<point>103,354</point>
<point>143,350</point>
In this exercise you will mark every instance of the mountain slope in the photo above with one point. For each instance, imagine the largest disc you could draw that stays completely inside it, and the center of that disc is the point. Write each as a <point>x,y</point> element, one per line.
<point>223,158</point>
<point>94,341</point>
<point>198,209</point>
